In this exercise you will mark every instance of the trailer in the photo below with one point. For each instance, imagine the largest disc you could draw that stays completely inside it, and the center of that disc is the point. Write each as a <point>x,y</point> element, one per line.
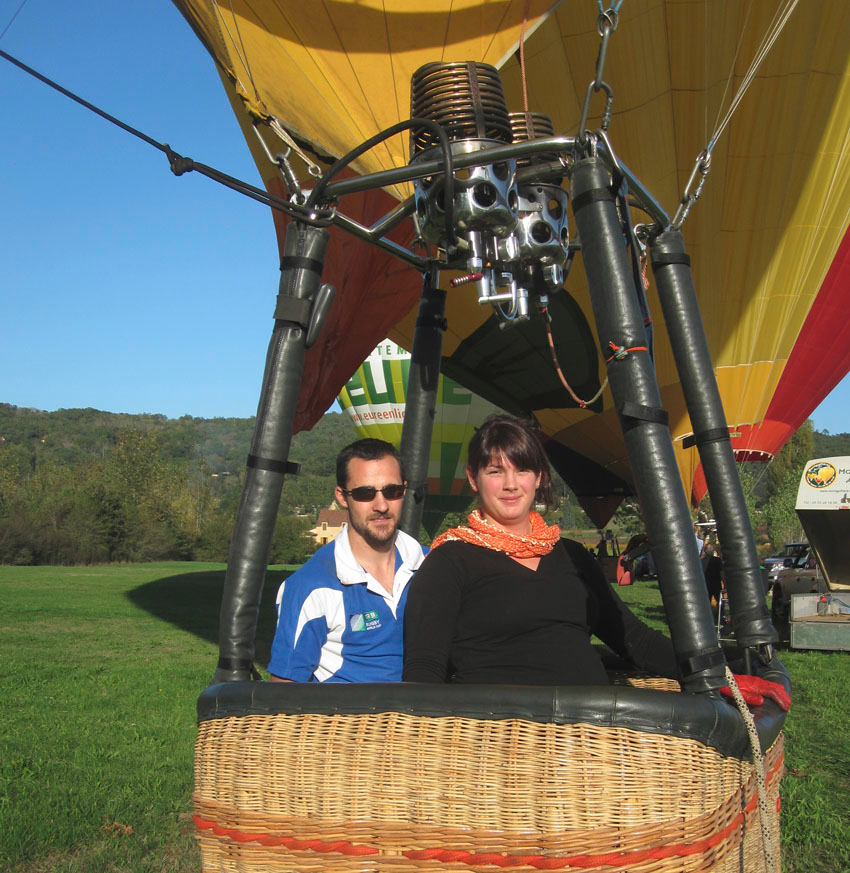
<point>813,598</point>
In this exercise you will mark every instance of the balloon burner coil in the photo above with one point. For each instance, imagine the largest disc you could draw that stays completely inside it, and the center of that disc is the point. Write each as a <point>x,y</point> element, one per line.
<point>510,238</point>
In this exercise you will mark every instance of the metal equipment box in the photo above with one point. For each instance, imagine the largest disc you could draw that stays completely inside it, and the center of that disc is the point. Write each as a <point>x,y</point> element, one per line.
<point>830,632</point>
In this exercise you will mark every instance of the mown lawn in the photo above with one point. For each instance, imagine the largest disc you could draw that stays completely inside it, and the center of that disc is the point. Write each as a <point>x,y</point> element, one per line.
<point>100,668</point>
<point>816,787</point>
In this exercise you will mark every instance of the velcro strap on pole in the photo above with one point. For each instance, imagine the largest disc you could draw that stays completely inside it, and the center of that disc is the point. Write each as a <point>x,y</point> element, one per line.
<point>745,616</point>
<point>696,662</point>
<point>441,323</point>
<point>661,259</point>
<point>255,462</point>
<point>296,262</point>
<point>294,309</point>
<point>637,411</point>
<point>712,435</point>
<point>593,195</point>
<point>238,664</point>
<point>420,490</point>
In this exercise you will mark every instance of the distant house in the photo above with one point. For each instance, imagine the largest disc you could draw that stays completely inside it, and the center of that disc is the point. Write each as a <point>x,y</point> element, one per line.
<point>329,525</point>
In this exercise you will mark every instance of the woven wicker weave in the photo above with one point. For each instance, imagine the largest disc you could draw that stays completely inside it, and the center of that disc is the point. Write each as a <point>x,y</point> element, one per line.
<point>392,791</point>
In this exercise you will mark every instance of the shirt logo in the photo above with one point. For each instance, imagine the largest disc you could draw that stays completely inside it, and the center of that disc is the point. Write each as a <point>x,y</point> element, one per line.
<point>364,621</point>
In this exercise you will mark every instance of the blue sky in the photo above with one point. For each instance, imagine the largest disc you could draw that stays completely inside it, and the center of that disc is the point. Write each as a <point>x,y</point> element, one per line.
<point>124,287</point>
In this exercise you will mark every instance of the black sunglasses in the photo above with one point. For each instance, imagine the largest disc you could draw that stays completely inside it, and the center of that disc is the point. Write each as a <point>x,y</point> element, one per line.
<point>367,493</point>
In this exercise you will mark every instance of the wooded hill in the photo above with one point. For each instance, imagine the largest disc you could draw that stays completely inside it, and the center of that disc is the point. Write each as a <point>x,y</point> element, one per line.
<point>84,486</point>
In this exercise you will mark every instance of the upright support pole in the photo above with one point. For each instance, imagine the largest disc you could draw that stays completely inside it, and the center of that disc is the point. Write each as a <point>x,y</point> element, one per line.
<point>647,436</point>
<point>421,401</point>
<point>674,280</point>
<point>301,268</point>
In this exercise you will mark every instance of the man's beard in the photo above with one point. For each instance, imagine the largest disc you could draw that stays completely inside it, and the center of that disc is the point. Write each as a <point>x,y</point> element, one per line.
<point>374,539</point>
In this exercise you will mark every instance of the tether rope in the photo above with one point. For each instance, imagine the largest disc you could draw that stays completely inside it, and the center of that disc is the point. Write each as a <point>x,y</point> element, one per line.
<point>180,164</point>
<point>780,19</point>
<point>758,766</point>
<point>12,19</point>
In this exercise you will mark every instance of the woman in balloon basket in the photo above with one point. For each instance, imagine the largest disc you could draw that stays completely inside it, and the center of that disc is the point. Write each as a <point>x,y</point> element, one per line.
<point>505,599</point>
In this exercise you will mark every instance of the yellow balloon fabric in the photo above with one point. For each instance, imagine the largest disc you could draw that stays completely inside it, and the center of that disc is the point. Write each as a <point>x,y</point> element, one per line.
<point>762,238</point>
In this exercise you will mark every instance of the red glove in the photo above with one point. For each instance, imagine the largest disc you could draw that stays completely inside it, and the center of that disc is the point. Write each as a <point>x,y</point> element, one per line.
<point>754,690</point>
<point>624,572</point>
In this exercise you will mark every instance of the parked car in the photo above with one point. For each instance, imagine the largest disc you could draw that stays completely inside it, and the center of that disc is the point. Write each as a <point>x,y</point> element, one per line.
<point>798,574</point>
<point>792,551</point>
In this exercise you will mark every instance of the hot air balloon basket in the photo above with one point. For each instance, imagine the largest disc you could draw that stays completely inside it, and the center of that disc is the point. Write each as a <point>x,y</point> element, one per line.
<point>395,790</point>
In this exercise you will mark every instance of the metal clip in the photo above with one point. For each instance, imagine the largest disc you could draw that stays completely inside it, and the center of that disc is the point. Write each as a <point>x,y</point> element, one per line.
<point>606,24</point>
<point>281,161</point>
<point>607,21</point>
<point>291,180</point>
<point>701,167</point>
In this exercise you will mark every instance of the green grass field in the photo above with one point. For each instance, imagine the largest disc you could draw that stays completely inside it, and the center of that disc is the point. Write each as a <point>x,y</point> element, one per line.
<point>100,668</point>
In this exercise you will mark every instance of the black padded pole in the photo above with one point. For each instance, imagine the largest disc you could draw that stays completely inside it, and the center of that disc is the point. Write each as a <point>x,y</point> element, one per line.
<point>301,267</point>
<point>421,402</point>
<point>676,291</point>
<point>647,437</point>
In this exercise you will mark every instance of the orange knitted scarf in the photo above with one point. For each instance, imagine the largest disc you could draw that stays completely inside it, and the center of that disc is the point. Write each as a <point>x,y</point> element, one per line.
<point>481,532</point>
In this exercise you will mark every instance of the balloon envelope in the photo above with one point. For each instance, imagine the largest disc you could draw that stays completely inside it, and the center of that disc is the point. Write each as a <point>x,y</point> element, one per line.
<point>767,239</point>
<point>373,398</point>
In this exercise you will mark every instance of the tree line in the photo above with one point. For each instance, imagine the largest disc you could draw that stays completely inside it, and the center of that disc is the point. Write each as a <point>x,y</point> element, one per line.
<point>770,490</point>
<point>84,486</point>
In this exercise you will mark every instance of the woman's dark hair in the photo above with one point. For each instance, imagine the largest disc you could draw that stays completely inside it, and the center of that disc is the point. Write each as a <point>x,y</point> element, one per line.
<point>366,450</point>
<point>519,441</point>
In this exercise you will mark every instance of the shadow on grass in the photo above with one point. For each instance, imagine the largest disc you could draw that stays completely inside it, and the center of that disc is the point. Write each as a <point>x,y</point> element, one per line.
<point>192,601</point>
<point>647,612</point>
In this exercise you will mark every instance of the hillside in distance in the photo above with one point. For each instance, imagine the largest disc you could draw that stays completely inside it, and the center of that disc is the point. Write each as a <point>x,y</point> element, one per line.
<point>72,436</point>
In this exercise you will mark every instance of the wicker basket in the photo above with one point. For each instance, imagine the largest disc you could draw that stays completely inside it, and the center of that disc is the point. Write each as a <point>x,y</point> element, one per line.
<point>373,791</point>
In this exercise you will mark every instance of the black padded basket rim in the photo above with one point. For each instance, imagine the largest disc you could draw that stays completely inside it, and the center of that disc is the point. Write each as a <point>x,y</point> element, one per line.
<point>710,720</point>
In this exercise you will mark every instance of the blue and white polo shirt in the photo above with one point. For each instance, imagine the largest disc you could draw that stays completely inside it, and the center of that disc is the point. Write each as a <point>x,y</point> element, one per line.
<point>337,623</point>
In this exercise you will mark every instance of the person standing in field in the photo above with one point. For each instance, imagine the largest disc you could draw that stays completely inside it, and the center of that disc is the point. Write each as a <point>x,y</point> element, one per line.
<point>340,616</point>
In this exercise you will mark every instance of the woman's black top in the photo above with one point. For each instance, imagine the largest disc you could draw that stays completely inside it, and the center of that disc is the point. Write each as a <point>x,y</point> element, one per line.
<point>475,615</point>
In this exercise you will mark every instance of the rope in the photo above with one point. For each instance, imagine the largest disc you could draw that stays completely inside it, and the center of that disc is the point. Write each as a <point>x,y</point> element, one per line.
<point>12,19</point>
<point>241,53</point>
<point>731,68</point>
<point>758,766</point>
<point>180,164</point>
<point>576,399</point>
<point>522,56</point>
<point>776,27</point>
<point>703,160</point>
<point>619,352</point>
<point>644,275</point>
<point>615,7</point>
<point>312,167</point>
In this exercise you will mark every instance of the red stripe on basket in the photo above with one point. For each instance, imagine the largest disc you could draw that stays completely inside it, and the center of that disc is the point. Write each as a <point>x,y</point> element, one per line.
<point>612,859</point>
<point>496,859</point>
<point>340,846</point>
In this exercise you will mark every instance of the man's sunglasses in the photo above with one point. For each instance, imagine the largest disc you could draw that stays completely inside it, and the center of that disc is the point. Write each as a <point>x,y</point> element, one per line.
<point>367,493</point>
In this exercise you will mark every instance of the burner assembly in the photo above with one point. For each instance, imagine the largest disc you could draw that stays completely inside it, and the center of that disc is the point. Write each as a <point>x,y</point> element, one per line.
<point>508,218</point>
